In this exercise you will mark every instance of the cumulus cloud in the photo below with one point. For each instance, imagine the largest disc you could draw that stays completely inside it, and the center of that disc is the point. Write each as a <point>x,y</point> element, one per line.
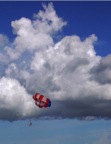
<point>68,71</point>
<point>35,34</point>
<point>15,102</point>
<point>102,71</point>
<point>3,40</point>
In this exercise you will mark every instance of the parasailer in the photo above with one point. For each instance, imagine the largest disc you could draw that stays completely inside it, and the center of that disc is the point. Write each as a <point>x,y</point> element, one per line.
<point>30,123</point>
<point>41,101</point>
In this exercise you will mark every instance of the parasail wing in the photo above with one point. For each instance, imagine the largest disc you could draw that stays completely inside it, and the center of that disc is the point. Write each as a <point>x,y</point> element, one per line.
<point>41,101</point>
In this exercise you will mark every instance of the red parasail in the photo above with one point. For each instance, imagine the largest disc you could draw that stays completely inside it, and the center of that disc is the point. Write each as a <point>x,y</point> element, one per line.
<point>41,101</point>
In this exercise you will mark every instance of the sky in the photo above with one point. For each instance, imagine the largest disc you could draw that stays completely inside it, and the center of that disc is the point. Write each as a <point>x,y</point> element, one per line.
<point>61,50</point>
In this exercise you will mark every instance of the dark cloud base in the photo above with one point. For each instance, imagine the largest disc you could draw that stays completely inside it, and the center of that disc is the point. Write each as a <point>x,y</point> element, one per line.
<point>80,109</point>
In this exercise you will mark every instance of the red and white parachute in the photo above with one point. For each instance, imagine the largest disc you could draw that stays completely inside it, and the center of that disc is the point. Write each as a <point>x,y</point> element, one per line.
<point>41,101</point>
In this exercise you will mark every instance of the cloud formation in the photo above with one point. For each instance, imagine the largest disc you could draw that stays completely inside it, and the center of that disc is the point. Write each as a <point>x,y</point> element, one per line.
<point>68,71</point>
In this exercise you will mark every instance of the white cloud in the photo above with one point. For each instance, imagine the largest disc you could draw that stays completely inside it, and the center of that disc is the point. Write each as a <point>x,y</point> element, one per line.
<point>15,102</point>
<point>3,40</point>
<point>102,72</point>
<point>48,21</point>
<point>66,71</point>
<point>35,34</point>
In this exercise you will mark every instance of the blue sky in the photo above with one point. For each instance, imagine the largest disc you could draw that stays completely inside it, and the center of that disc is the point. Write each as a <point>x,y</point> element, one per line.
<point>76,80</point>
<point>56,131</point>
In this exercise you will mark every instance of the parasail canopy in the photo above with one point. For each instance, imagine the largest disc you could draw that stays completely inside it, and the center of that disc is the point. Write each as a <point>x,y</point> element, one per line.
<point>41,101</point>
